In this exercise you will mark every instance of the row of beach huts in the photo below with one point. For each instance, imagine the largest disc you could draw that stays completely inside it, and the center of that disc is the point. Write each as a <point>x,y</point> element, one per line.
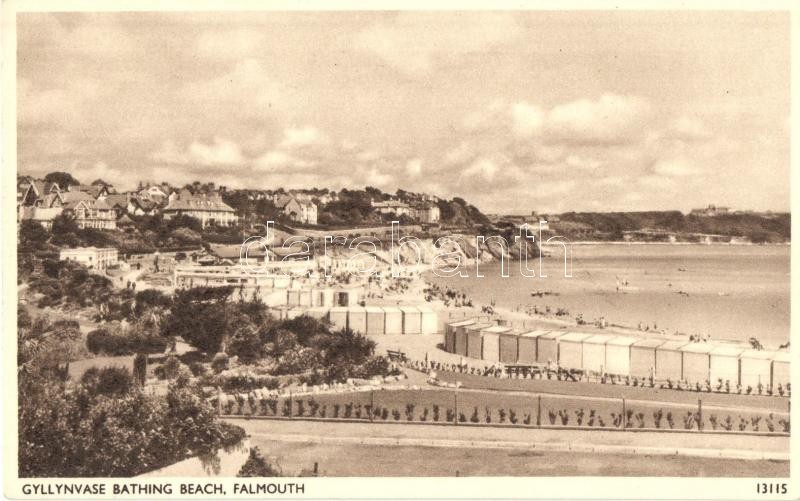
<point>618,355</point>
<point>372,320</point>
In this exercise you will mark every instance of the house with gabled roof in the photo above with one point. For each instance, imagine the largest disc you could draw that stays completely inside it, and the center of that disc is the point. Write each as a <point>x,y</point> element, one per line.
<point>299,210</point>
<point>208,208</point>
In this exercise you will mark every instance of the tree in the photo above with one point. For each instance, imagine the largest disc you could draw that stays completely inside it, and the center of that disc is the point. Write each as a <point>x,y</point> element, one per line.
<point>100,182</point>
<point>32,235</point>
<point>257,466</point>
<point>62,179</point>
<point>245,343</point>
<point>200,317</point>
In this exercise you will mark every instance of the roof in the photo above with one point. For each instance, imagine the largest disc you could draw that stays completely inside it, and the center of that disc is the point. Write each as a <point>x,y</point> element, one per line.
<point>781,356</point>
<point>552,335</point>
<point>623,341</point>
<point>574,337</point>
<point>200,202</point>
<point>409,309</point>
<point>424,308</point>
<point>702,348</point>
<point>373,309</point>
<point>461,323</point>
<point>727,351</point>
<point>758,354</point>
<point>391,309</point>
<point>478,327</point>
<point>284,200</point>
<point>496,329</point>
<point>76,196</point>
<point>673,345</point>
<point>125,219</point>
<point>117,200</point>
<point>650,342</point>
<point>598,339</point>
<point>535,333</point>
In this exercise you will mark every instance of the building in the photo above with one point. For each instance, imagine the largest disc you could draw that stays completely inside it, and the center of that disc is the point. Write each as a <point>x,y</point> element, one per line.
<point>710,211</point>
<point>95,190</point>
<point>426,213</point>
<point>299,210</point>
<point>40,215</point>
<point>139,206</point>
<point>91,257</point>
<point>392,207</point>
<point>209,208</point>
<point>91,213</point>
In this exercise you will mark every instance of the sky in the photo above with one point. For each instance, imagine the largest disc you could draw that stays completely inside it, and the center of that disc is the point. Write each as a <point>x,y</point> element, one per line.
<point>512,111</point>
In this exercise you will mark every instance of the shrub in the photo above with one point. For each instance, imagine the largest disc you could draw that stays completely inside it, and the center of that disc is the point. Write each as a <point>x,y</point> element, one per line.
<point>140,368</point>
<point>169,369</point>
<point>109,381</point>
<point>257,466</point>
<point>727,424</point>
<point>197,369</point>
<point>220,362</point>
<point>287,408</point>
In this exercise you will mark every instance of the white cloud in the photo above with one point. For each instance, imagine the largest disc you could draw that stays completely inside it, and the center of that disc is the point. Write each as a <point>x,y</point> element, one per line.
<point>610,119</point>
<point>413,42</point>
<point>528,119</point>
<point>674,167</point>
<point>219,152</point>
<point>414,167</point>
<point>301,137</point>
<point>688,128</point>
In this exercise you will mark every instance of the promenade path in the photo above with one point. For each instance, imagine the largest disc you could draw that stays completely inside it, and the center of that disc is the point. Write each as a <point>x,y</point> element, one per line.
<point>732,446</point>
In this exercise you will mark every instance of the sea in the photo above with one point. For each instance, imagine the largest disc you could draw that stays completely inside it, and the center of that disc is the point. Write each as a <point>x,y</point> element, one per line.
<point>724,292</point>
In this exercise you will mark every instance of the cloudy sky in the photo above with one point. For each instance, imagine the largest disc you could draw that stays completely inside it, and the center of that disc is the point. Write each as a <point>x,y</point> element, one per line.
<point>513,111</point>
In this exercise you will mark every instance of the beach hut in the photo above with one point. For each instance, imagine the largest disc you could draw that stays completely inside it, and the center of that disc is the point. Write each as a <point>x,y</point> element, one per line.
<point>491,342</point>
<point>393,320</point>
<point>755,366</point>
<point>570,350</point>
<point>293,313</point>
<point>317,312</point>
<point>618,355</point>
<point>322,297</point>
<point>526,346</point>
<point>780,370</point>
<point>724,365</point>
<point>669,360</point>
<point>696,362</point>
<point>357,319</point>
<point>338,317</point>
<point>547,347</point>
<point>376,320</point>
<point>293,297</point>
<point>509,347</point>
<point>475,340</point>
<point>429,320</point>
<point>305,297</point>
<point>412,319</point>
<point>594,352</point>
<point>643,358</point>
<point>450,333</point>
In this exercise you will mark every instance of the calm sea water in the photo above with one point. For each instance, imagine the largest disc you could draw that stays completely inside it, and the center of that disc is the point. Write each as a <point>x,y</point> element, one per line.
<point>727,292</point>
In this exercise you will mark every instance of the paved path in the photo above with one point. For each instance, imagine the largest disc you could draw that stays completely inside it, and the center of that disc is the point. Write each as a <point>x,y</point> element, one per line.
<point>649,443</point>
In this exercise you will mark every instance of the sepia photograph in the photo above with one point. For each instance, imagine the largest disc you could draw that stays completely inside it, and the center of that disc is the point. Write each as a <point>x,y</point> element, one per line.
<point>264,246</point>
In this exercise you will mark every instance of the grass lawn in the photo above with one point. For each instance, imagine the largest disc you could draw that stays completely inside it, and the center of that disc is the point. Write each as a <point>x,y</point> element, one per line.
<point>344,460</point>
